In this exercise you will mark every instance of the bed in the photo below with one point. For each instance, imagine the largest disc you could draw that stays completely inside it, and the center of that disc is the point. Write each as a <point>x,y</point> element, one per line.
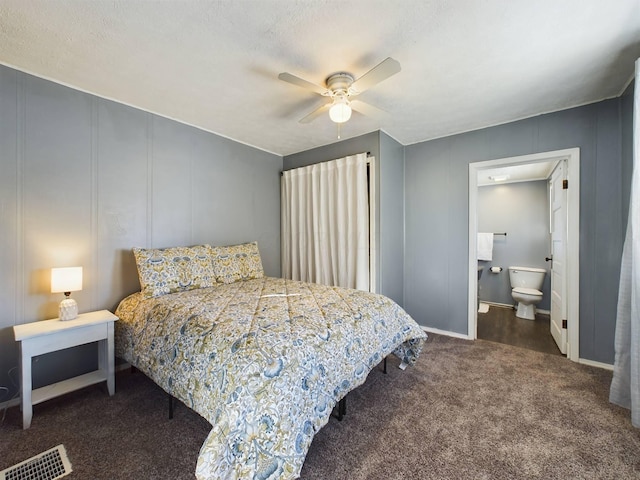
<point>263,359</point>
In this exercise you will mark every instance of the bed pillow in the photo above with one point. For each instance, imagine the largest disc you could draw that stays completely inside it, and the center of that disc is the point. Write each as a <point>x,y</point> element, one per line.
<point>237,262</point>
<point>175,269</point>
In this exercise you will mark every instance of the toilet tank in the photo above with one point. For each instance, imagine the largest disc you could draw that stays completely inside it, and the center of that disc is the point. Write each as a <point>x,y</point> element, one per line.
<point>528,277</point>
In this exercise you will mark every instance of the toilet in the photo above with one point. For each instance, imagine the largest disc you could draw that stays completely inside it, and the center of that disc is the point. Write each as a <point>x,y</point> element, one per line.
<point>526,289</point>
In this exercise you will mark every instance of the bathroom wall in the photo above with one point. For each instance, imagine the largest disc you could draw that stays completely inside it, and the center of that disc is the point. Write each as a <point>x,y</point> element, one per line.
<point>522,211</point>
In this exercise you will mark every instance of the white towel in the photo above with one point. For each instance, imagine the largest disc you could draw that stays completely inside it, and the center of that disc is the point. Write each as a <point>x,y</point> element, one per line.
<point>485,246</point>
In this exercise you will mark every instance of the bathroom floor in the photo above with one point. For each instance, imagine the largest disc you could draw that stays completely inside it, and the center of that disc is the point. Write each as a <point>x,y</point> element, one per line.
<point>501,325</point>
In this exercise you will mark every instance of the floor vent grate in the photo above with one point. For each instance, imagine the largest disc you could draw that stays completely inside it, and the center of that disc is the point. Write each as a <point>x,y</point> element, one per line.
<point>48,465</point>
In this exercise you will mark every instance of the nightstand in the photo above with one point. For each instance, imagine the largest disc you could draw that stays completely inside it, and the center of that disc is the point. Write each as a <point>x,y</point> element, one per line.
<point>47,336</point>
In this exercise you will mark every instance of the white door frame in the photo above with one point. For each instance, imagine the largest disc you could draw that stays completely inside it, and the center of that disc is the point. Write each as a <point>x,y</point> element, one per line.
<point>572,155</point>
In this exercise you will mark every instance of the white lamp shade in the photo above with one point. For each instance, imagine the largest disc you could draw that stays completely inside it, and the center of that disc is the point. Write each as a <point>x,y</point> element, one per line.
<point>340,111</point>
<point>67,279</point>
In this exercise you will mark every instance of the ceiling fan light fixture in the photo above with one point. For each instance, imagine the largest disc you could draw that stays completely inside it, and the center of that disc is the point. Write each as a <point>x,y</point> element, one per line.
<point>340,87</point>
<point>340,111</point>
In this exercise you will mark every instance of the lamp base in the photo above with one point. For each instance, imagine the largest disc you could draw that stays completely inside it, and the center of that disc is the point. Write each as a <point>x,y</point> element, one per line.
<point>68,309</point>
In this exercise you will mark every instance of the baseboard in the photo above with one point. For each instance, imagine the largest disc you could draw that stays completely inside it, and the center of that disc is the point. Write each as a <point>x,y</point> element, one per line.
<point>14,402</point>
<point>495,304</point>
<point>508,305</point>
<point>446,333</point>
<point>122,366</point>
<point>592,363</point>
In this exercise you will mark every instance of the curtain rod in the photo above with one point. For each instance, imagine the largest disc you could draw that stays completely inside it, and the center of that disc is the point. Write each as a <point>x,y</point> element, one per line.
<point>368,155</point>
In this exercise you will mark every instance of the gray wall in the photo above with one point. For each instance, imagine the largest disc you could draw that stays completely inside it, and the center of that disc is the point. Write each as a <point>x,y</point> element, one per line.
<point>389,170</point>
<point>369,142</point>
<point>391,224</point>
<point>437,210</point>
<point>522,211</point>
<point>82,180</point>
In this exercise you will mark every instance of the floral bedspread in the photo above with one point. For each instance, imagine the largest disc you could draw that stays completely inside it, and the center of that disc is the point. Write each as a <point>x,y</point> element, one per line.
<point>264,361</point>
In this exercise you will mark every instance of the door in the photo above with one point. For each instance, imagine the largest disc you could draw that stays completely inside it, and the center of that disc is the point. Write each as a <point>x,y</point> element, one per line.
<point>558,225</point>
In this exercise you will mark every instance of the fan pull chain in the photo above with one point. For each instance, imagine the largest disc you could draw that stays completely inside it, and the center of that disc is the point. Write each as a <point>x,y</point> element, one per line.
<point>338,124</point>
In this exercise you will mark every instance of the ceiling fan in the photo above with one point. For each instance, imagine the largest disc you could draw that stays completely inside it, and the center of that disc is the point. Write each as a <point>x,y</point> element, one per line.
<point>341,88</point>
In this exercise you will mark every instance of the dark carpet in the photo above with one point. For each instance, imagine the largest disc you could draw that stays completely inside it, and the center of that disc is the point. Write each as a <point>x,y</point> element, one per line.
<point>467,410</point>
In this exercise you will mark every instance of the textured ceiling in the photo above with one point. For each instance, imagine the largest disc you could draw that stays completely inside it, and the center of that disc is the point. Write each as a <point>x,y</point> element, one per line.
<point>466,64</point>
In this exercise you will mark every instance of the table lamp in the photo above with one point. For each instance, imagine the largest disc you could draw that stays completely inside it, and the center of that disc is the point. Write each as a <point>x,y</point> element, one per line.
<point>67,280</point>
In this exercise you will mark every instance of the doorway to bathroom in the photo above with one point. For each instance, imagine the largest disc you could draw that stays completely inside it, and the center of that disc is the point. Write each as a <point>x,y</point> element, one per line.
<point>530,175</point>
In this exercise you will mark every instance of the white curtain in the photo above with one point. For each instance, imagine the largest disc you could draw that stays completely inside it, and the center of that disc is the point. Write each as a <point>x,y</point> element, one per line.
<point>325,223</point>
<point>625,386</point>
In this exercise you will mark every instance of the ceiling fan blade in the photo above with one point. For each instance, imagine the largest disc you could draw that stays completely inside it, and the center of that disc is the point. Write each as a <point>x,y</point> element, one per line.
<point>369,110</point>
<point>377,74</point>
<point>287,77</point>
<point>316,113</point>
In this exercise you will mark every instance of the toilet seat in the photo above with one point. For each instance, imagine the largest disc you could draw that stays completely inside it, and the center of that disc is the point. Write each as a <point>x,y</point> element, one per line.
<point>528,291</point>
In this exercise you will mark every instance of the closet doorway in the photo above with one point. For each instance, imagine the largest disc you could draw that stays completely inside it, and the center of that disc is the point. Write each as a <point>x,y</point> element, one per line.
<point>571,157</point>
<point>327,220</point>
